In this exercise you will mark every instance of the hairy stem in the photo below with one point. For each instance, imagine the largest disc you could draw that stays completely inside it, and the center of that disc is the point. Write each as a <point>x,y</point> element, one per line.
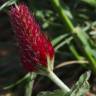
<point>29,86</point>
<point>58,82</point>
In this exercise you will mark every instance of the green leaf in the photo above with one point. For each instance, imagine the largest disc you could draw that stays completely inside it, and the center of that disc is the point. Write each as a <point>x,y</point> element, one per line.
<point>90,2</point>
<point>54,93</point>
<point>66,41</point>
<point>17,82</point>
<point>79,89</point>
<point>82,86</point>
<point>58,39</point>
<point>6,4</point>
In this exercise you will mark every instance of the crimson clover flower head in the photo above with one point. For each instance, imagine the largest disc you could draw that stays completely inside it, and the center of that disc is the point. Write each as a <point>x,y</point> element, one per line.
<point>34,46</point>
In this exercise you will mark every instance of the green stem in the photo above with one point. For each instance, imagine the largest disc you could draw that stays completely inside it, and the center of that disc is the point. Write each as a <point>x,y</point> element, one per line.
<point>77,31</point>
<point>74,51</point>
<point>58,82</point>
<point>29,86</point>
<point>76,54</point>
<point>17,83</point>
<point>61,11</point>
<point>63,43</point>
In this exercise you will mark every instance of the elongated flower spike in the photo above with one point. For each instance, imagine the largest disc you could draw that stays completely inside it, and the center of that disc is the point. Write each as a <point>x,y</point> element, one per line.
<point>34,46</point>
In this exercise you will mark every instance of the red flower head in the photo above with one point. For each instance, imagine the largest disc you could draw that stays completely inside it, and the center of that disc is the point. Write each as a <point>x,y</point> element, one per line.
<point>34,45</point>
